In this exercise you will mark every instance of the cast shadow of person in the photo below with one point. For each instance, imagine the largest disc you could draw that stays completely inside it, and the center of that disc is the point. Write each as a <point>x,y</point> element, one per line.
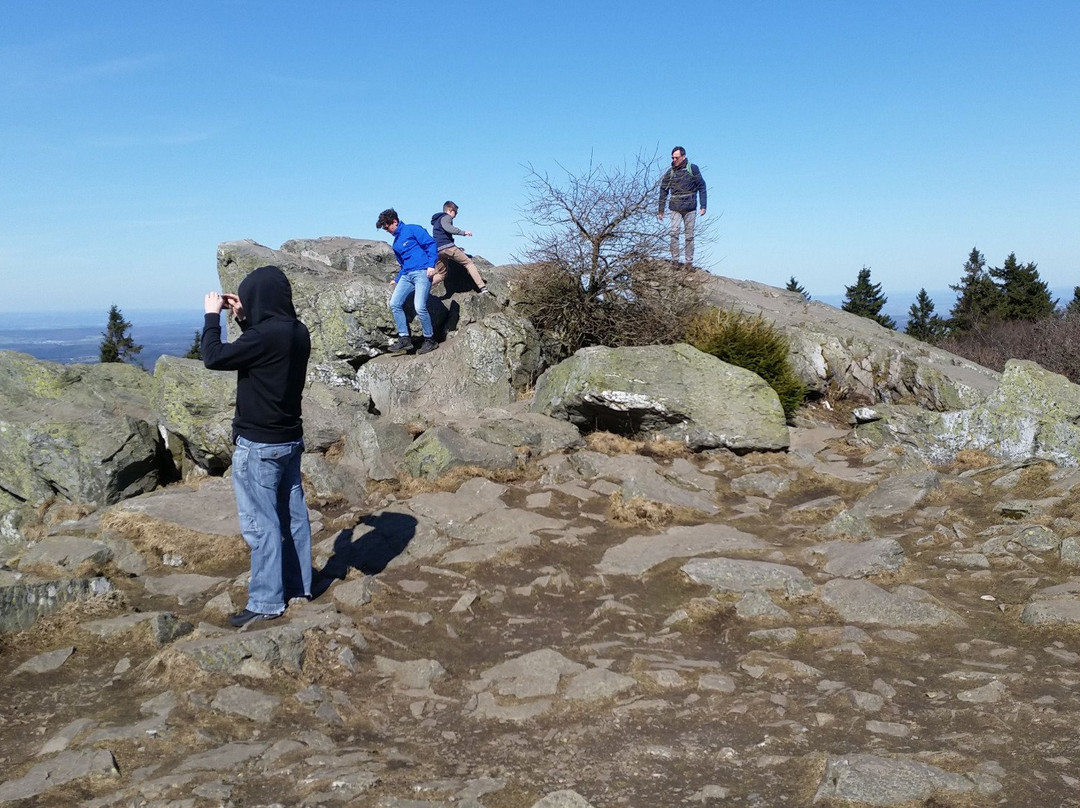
<point>443,318</point>
<point>386,537</point>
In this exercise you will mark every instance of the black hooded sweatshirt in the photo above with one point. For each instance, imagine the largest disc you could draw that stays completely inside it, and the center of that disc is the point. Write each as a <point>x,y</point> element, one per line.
<point>270,358</point>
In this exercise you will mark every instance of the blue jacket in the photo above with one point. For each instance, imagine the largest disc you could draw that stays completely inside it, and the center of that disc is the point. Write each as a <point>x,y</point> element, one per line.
<point>414,248</point>
<point>684,184</point>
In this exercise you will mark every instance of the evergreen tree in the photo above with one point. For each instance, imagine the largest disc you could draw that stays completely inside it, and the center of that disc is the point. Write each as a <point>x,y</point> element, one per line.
<point>978,297</point>
<point>195,351</point>
<point>866,300</point>
<point>1073,309</point>
<point>794,286</point>
<point>1024,295</point>
<point>117,345</point>
<point>922,322</point>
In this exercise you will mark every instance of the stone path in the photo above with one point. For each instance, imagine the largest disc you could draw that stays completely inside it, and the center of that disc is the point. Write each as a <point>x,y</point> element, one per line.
<point>828,627</point>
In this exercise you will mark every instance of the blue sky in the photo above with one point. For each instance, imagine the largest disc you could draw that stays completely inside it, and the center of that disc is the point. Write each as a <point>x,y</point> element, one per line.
<point>136,136</point>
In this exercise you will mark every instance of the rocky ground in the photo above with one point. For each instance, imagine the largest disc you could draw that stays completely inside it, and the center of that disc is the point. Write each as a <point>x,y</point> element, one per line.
<point>828,626</point>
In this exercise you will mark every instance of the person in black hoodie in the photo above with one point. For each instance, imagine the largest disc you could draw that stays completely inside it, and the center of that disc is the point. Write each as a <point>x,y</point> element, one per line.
<point>270,359</point>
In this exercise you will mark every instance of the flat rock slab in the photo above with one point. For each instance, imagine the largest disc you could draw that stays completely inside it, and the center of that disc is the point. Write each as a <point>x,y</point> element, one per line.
<point>49,661</point>
<point>596,684</point>
<point>210,508</point>
<point>867,603</point>
<point>184,586</point>
<point>858,559</point>
<point>638,554</point>
<point>416,674</point>
<point>1065,611</point>
<point>224,758</point>
<point>278,647</point>
<point>243,701</point>
<point>64,768</point>
<point>63,555</point>
<point>530,675</point>
<point>563,799</point>
<point>162,627</point>
<point>881,781</point>
<point>736,575</point>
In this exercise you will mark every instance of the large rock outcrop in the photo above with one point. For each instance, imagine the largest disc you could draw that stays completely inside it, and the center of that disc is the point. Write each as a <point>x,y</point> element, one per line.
<point>84,433</point>
<point>833,350</point>
<point>672,391</point>
<point>1032,413</point>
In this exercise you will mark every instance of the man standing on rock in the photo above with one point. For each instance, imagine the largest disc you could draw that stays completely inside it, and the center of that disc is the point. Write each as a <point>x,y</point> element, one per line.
<point>417,254</point>
<point>442,227</point>
<point>684,182</point>
<point>270,359</point>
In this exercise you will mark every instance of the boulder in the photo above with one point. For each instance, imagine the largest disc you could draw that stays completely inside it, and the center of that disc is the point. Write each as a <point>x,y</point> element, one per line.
<point>196,406</point>
<point>24,599</point>
<point>833,350</point>
<point>341,290</point>
<point>440,449</point>
<point>673,391</point>
<point>1032,413</point>
<point>84,433</point>
<point>486,364</point>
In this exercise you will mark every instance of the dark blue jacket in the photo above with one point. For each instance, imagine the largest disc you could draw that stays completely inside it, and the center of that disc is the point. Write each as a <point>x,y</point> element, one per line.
<point>414,248</point>
<point>444,234</point>
<point>684,184</point>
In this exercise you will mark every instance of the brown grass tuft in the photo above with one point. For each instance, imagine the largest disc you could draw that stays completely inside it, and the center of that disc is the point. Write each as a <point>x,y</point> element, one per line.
<point>972,459</point>
<point>203,551</point>
<point>638,511</point>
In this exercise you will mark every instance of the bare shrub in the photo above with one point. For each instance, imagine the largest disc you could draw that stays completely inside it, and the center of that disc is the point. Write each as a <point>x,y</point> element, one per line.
<point>1053,342</point>
<point>598,274</point>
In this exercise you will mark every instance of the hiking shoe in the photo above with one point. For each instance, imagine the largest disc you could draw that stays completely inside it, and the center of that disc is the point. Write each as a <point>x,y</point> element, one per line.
<point>400,346</point>
<point>428,346</point>
<point>484,290</point>
<point>241,619</point>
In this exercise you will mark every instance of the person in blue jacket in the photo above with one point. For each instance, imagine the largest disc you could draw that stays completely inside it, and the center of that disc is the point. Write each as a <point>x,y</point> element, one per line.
<point>685,184</point>
<point>417,254</point>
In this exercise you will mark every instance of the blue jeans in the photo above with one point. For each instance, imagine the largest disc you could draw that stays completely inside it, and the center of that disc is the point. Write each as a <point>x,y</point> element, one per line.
<point>418,284</point>
<point>273,521</point>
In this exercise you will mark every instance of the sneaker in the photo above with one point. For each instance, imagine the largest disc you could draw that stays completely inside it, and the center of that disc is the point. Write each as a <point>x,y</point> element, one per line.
<point>484,290</point>
<point>400,346</point>
<point>428,346</point>
<point>241,619</point>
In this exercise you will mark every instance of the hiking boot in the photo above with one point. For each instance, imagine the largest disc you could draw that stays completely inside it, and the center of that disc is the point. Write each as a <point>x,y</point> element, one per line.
<point>241,619</point>
<point>428,346</point>
<point>400,346</point>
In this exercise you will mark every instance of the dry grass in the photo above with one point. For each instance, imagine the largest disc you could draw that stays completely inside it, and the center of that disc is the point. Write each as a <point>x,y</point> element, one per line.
<point>611,444</point>
<point>405,486</point>
<point>638,511</point>
<point>155,538</point>
<point>971,459</point>
<point>49,631</point>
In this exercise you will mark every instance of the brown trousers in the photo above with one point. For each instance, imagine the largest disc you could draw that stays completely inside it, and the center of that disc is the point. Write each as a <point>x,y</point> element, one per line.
<point>458,256</point>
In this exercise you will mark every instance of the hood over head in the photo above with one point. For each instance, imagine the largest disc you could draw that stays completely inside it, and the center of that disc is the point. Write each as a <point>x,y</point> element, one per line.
<point>266,293</point>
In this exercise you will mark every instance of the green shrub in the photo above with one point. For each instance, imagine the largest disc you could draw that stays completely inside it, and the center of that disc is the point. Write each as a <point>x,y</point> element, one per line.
<point>751,342</point>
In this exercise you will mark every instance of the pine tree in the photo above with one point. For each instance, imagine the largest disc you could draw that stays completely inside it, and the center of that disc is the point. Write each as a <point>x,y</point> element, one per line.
<point>1073,309</point>
<point>794,286</point>
<point>978,297</point>
<point>1024,295</point>
<point>117,345</point>
<point>922,323</point>
<point>866,300</point>
<point>195,351</point>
